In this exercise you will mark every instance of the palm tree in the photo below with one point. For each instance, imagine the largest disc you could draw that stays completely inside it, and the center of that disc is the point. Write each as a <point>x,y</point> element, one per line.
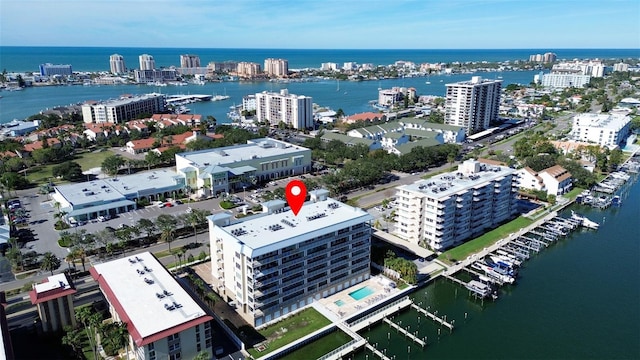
<point>79,254</point>
<point>14,254</point>
<point>195,218</point>
<point>49,262</point>
<point>167,226</point>
<point>70,258</point>
<point>91,322</point>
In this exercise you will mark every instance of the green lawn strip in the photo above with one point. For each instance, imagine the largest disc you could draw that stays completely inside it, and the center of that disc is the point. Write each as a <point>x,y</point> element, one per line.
<point>90,160</point>
<point>165,253</point>
<point>297,326</point>
<point>461,252</point>
<point>320,347</point>
<point>43,173</point>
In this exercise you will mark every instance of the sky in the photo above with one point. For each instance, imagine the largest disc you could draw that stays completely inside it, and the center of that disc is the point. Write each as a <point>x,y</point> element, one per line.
<point>323,24</point>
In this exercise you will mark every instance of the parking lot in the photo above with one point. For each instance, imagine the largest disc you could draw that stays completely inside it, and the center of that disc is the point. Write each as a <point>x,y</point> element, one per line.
<point>39,233</point>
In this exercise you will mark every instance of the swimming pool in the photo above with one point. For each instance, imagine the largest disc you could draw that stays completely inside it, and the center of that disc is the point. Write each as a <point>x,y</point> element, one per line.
<point>339,302</point>
<point>361,293</point>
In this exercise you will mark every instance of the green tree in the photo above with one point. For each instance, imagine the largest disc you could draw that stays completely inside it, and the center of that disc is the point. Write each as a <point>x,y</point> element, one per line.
<point>148,226</point>
<point>73,339</point>
<point>49,262</point>
<point>195,218</point>
<point>167,226</point>
<point>112,164</point>
<point>70,171</point>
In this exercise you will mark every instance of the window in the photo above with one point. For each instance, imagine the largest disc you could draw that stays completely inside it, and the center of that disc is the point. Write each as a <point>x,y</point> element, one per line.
<point>175,356</point>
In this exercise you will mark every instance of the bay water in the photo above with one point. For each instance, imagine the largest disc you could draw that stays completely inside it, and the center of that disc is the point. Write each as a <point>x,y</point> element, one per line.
<point>577,299</point>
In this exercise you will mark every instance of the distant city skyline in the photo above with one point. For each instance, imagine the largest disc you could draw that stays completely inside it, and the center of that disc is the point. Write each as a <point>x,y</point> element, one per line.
<point>331,24</point>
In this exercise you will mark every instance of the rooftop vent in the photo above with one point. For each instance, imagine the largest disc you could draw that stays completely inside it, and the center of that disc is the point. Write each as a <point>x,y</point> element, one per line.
<point>333,206</point>
<point>316,216</point>
<point>275,227</point>
<point>287,222</point>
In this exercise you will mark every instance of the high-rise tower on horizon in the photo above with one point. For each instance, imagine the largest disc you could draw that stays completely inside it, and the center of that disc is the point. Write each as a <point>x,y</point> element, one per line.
<point>147,62</point>
<point>116,62</point>
<point>189,61</point>
<point>472,104</point>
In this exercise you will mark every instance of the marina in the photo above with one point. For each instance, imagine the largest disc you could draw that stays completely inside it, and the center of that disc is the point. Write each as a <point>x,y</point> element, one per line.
<point>478,276</point>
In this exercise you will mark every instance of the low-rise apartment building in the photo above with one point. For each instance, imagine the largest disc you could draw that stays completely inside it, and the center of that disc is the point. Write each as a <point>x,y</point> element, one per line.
<point>162,319</point>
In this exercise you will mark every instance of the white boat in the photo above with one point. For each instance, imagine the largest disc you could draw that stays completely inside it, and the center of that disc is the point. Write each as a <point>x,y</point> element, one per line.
<point>583,221</point>
<point>482,289</point>
<point>221,97</point>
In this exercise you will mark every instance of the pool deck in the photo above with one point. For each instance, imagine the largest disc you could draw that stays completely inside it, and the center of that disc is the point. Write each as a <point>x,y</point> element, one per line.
<point>352,306</point>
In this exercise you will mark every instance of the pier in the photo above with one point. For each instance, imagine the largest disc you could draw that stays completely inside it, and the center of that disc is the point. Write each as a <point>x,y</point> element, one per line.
<point>376,351</point>
<point>434,317</point>
<point>405,332</point>
<point>380,314</point>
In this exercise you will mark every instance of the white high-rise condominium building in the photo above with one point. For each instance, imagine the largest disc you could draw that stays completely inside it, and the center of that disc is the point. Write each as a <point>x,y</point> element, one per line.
<point>189,61</point>
<point>603,129</point>
<point>444,211</point>
<point>472,104</point>
<point>116,62</point>
<point>162,320</point>
<point>276,67</point>
<point>274,264</point>
<point>293,110</point>
<point>147,62</point>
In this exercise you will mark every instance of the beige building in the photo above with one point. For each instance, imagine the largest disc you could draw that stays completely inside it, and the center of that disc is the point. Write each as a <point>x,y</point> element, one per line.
<point>189,61</point>
<point>248,69</point>
<point>276,67</point>
<point>116,63</point>
<point>147,62</point>
<point>54,300</point>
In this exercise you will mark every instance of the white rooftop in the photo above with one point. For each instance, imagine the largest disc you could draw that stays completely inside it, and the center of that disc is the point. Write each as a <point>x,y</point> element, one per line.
<point>445,185</point>
<point>136,281</point>
<point>264,231</point>
<point>605,121</point>
<point>114,189</point>
<point>58,281</point>
<point>254,149</point>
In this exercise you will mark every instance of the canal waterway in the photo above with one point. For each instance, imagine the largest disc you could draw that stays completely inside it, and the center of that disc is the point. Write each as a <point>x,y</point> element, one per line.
<point>350,96</point>
<point>577,299</point>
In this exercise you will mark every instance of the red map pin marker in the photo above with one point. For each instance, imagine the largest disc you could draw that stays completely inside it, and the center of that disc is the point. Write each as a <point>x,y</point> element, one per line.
<point>295,192</point>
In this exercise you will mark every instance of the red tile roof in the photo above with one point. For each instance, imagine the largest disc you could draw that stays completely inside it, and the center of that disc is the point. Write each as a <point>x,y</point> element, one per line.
<point>365,116</point>
<point>38,144</point>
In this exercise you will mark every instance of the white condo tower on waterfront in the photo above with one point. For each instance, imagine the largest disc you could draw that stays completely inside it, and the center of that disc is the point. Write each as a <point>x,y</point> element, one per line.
<point>472,104</point>
<point>147,62</point>
<point>116,62</point>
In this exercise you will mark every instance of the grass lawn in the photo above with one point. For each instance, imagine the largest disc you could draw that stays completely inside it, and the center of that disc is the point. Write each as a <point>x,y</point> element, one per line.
<point>320,347</point>
<point>295,327</point>
<point>461,252</point>
<point>88,160</point>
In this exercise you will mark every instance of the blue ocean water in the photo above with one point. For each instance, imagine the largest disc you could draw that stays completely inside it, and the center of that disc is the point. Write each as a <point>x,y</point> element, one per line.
<point>15,58</point>
<point>351,97</point>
